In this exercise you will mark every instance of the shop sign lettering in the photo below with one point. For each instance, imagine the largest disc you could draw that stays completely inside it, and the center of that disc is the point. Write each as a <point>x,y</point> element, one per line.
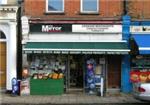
<point>65,52</point>
<point>28,52</point>
<point>46,52</point>
<point>85,28</point>
<point>87,52</point>
<point>37,52</point>
<point>140,29</point>
<point>51,28</point>
<point>75,52</point>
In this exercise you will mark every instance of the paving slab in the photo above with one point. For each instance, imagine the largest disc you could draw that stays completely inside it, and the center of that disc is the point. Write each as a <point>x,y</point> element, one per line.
<point>69,99</point>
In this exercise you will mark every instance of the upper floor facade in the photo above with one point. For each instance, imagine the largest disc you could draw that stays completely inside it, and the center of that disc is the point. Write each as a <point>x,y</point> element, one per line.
<point>8,2</point>
<point>74,9</point>
<point>86,9</point>
<point>138,9</point>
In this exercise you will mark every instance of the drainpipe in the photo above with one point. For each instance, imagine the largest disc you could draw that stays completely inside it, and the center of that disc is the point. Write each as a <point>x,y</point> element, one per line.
<point>125,7</point>
<point>126,86</point>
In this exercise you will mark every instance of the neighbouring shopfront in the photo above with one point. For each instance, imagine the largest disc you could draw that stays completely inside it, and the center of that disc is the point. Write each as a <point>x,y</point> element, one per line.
<point>73,57</point>
<point>8,45</point>
<point>141,59</point>
<point>2,60</point>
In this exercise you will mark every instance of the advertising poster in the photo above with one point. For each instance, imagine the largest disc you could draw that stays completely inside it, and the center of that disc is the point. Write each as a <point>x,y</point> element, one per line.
<point>139,76</point>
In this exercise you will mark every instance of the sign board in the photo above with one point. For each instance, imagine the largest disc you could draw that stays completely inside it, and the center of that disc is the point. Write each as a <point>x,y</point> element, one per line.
<point>140,29</point>
<point>25,25</point>
<point>96,28</point>
<point>75,28</point>
<point>25,87</point>
<point>50,28</point>
<point>102,61</point>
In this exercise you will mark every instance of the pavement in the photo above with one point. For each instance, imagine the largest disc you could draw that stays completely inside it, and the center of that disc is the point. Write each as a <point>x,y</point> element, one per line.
<point>70,99</point>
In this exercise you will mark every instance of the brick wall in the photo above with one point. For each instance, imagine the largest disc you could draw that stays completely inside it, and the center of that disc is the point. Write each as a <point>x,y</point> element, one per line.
<point>139,9</point>
<point>109,9</point>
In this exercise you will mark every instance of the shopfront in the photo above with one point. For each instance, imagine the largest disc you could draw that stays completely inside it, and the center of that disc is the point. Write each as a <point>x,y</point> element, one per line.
<point>2,60</point>
<point>74,56</point>
<point>140,61</point>
<point>8,45</point>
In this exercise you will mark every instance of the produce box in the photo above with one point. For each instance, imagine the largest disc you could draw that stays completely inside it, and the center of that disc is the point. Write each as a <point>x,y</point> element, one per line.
<point>46,87</point>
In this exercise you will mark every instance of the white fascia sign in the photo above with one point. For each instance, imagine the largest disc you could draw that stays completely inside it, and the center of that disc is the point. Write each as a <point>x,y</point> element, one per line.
<point>96,28</point>
<point>140,29</point>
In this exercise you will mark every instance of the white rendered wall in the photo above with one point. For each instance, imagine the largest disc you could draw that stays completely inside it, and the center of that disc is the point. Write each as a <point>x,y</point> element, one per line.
<point>66,37</point>
<point>9,30</point>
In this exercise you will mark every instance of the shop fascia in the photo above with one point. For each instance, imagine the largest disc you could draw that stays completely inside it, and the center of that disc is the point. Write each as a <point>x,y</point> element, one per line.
<point>76,28</point>
<point>140,29</point>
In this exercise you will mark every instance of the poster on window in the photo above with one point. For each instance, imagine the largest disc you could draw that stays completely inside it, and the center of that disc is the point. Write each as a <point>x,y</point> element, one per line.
<point>138,76</point>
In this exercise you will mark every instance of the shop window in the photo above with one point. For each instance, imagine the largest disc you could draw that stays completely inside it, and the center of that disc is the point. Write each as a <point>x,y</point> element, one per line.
<point>89,6</point>
<point>55,6</point>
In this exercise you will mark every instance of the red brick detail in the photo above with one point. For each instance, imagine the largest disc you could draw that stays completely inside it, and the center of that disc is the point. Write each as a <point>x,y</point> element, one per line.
<point>108,9</point>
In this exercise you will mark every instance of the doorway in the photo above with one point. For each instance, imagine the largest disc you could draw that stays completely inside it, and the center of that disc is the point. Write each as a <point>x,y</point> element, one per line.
<point>114,72</point>
<point>75,74</point>
<point>2,65</point>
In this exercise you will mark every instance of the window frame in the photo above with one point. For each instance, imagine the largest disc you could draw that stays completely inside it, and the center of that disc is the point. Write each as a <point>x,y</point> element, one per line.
<point>82,11</point>
<point>47,11</point>
<point>3,2</point>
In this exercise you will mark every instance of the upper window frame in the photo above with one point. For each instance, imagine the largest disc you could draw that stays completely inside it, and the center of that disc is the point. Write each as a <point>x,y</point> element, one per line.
<point>47,11</point>
<point>82,11</point>
<point>2,2</point>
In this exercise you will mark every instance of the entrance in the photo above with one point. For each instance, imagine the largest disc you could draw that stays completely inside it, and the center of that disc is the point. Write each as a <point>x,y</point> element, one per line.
<point>2,65</point>
<point>75,74</point>
<point>114,72</point>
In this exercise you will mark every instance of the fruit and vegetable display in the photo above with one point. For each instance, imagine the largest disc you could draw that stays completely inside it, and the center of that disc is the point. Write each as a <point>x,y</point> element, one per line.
<point>47,76</point>
<point>47,67</point>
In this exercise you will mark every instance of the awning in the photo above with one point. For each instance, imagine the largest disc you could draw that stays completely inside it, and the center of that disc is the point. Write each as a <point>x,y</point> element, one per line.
<point>77,47</point>
<point>143,42</point>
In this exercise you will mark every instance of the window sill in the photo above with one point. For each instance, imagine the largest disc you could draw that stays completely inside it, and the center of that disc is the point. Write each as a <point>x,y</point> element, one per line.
<point>54,13</point>
<point>88,13</point>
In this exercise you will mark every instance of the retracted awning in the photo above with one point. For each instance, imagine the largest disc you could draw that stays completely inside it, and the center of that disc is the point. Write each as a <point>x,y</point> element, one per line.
<point>77,47</point>
<point>143,42</point>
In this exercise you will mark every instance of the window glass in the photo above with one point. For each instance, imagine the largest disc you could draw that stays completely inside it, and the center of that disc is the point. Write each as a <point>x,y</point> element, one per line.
<point>55,5</point>
<point>2,35</point>
<point>89,5</point>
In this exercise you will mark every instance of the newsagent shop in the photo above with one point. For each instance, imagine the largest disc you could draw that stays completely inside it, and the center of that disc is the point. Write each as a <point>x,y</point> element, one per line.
<point>140,63</point>
<point>73,57</point>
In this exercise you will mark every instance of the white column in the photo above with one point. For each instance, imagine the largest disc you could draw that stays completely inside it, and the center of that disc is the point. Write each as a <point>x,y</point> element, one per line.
<point>11,55</point>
